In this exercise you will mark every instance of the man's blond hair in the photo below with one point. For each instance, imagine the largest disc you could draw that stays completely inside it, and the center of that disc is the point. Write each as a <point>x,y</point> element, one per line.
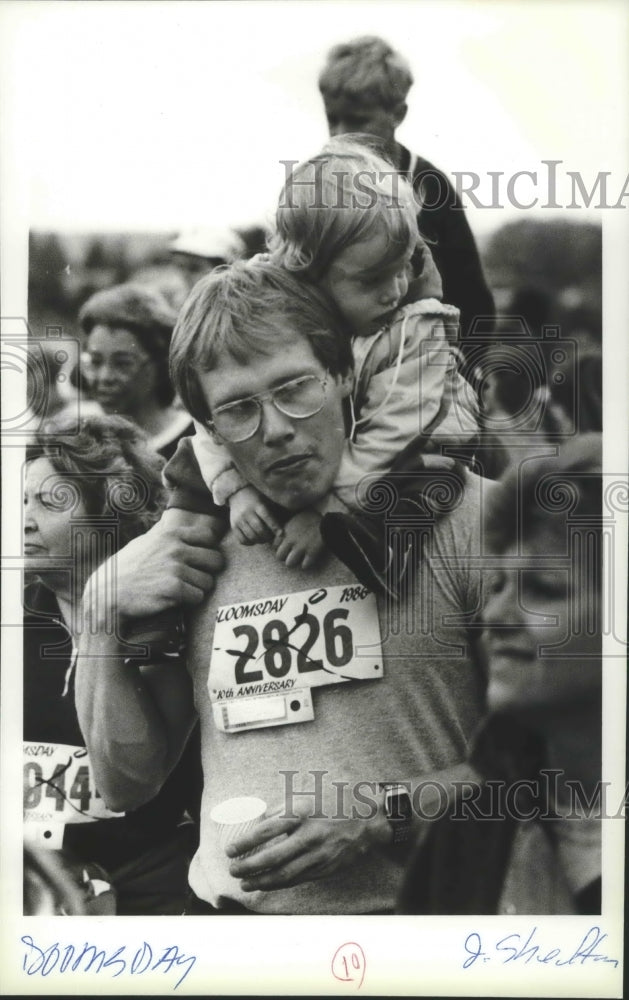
<point>366,70</point>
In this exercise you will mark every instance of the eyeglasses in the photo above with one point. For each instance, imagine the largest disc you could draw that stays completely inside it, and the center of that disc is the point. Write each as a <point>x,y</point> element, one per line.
<point>300,398</point>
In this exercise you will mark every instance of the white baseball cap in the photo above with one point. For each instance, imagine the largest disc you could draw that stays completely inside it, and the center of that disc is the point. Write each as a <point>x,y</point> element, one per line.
<point>209,242</point>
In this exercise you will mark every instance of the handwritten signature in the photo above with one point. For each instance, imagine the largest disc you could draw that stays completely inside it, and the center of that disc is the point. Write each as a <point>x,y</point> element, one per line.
<point>513,948</point>
<point>115,961</point>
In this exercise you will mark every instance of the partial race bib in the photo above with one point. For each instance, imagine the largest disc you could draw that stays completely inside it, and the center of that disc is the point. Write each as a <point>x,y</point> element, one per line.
<point>268,654</point>
<point>59,788</point>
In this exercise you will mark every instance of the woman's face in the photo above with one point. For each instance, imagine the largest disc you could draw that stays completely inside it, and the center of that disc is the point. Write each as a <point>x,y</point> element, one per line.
<point>51,504</point>
<point>122,374</point>
<point>542,629</point>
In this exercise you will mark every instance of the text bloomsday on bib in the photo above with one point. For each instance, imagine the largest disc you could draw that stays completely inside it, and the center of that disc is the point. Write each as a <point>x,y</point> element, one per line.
<point>268,654</point>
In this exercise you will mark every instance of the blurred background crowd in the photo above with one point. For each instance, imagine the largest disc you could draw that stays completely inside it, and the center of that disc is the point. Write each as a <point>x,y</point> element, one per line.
<point>545,277</point>
<point>548,271</point>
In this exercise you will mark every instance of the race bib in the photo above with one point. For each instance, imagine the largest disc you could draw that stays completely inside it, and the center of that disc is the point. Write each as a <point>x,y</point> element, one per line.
<point>59,788</point>
<point>268,654</point>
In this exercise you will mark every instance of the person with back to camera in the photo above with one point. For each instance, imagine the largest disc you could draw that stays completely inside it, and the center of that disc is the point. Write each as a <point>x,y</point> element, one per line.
<point>128,330</point>
<point>407,389</point>
<point>90,488</point>
<point>364,85</point>
<point>537,849</point>
<point>312,680</point>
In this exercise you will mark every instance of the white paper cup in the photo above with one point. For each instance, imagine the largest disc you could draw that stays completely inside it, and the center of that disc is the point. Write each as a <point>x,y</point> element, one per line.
<point>235,817</point>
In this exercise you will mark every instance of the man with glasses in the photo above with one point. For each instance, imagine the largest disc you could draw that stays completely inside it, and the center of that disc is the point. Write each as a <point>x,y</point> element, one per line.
<point>347,718</point>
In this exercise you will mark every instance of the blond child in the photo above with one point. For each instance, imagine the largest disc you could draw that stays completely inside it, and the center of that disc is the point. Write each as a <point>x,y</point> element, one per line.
<point>347,222</point>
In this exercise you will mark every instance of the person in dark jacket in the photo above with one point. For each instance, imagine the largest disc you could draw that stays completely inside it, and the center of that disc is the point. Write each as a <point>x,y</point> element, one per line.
<point>364,85</point>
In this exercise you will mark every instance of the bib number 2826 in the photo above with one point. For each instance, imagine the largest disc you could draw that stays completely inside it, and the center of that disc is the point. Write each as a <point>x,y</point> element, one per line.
<point>280,647</point>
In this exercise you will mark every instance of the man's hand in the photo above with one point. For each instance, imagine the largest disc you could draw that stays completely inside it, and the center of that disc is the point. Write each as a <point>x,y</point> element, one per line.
<point>251,519</point>
<point>300,543</point>
<point>309,848</point>
<point>174,563</point>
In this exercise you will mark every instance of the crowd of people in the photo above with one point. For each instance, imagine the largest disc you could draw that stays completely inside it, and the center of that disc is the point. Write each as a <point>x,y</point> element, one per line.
<point>302,540</point>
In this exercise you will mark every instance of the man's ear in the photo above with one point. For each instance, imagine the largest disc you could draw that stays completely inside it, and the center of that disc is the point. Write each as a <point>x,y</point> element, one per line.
<point>399,113</point>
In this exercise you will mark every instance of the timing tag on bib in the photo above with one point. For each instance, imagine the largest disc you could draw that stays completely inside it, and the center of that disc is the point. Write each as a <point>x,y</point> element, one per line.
<point>59,788</point>
<point>268,654</point>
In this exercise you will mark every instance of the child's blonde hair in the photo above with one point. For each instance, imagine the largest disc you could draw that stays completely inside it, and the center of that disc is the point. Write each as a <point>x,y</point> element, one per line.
<point>342,196</point>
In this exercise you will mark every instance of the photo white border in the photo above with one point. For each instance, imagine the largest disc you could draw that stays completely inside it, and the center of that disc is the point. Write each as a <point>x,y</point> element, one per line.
<point>409,956</point>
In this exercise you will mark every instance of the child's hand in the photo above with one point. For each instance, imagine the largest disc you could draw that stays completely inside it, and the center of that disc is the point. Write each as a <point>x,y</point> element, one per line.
<point>250,518</point>
<point>301,543</point>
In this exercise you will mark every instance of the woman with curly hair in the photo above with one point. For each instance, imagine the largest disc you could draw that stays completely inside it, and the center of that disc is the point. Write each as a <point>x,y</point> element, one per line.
<point>128,330</point>
<point>87,493</point>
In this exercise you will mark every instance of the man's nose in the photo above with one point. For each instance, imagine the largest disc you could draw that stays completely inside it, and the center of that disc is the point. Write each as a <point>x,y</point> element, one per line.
<point>275,425</point>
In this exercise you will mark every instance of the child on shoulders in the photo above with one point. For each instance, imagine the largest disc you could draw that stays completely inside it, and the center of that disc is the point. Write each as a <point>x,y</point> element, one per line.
<point>347,222</point>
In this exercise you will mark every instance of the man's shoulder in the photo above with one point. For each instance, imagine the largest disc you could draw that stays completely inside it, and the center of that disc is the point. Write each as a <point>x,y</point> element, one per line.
<point>459,529</point>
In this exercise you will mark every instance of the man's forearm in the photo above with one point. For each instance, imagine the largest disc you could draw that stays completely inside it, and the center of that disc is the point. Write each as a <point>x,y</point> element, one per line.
<point>131,748</point>
<point>136,718</point>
